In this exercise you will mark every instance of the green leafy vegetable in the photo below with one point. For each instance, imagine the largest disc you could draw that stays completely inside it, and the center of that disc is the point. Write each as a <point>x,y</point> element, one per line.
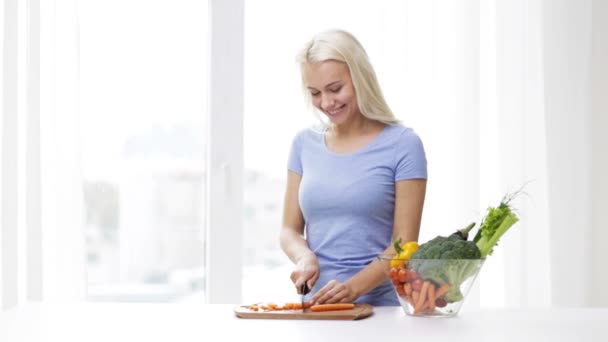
<point>496,222</point>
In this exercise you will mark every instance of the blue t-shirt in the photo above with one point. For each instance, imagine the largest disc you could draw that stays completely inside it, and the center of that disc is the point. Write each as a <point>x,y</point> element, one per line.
<point>348,200</point>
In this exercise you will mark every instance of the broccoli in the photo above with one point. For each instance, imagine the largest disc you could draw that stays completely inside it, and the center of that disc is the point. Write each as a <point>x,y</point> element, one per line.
<point>450,263</point>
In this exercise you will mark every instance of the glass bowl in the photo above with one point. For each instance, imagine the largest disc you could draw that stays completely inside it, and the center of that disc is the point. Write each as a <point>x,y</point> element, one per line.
<point>431,287</point>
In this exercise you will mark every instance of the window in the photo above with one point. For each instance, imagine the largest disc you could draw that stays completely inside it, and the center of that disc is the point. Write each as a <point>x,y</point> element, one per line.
<point>142,88</point>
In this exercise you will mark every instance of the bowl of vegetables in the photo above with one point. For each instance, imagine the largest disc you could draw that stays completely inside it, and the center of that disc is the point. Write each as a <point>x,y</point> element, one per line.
<point>433,279</point>
<point>433,287</point>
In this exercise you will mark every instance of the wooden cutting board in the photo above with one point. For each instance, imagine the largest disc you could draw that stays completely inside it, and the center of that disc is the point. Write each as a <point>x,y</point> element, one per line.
<point>360,311</point>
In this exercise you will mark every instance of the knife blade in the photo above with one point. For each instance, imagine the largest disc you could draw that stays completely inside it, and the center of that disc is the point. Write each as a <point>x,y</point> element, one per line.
<point>305,291</point>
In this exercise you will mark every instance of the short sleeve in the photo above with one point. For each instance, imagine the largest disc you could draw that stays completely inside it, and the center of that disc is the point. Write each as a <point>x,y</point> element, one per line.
<point>411,158</point>
<point>294,162</point>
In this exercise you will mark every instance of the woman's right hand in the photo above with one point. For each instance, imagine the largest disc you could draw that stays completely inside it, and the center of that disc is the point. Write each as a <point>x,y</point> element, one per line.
<point>306,270</point>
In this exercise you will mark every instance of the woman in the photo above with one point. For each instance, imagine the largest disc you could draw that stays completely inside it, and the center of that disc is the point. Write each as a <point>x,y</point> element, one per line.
<point>355,185</point>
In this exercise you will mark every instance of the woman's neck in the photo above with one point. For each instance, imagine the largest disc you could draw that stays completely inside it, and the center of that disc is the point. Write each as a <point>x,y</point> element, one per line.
<point>357,126</point>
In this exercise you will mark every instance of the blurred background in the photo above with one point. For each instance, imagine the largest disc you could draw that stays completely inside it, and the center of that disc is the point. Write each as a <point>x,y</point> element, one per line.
<point>141,164</point>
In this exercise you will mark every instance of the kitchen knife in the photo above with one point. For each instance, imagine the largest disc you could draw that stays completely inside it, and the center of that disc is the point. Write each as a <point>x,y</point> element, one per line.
<point>305,290</point>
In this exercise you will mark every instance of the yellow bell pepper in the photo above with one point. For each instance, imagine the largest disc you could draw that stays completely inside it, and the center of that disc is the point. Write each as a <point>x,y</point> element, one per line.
<point>404,252</point>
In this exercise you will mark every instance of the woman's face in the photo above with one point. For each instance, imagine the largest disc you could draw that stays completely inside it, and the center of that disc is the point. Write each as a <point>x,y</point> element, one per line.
<point>332,90</point>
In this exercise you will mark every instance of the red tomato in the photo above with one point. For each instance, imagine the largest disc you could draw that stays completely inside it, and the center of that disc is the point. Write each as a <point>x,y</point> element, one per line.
<point>402,275</point>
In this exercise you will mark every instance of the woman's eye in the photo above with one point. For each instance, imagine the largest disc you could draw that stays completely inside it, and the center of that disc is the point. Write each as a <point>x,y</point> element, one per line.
<point>335,90</point>
<point>315,94</point>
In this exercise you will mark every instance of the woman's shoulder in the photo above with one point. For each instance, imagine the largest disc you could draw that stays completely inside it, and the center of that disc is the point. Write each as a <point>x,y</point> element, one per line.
<point>308,133</point>
<point>400,132</point>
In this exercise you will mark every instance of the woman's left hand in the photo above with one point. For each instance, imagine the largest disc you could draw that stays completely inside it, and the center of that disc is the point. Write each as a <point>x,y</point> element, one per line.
<point>333,292</point>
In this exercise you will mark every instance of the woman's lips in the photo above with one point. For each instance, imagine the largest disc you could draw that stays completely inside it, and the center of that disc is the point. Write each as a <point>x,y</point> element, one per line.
<point>335,111</point>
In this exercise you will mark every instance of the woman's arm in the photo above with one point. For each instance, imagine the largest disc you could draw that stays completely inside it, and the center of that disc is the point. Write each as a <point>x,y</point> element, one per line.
<point>292,238</point>
<point>409,202</point>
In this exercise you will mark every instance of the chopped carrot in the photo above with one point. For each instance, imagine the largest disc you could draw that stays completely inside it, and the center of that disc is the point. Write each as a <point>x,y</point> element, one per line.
<point>332,307</point>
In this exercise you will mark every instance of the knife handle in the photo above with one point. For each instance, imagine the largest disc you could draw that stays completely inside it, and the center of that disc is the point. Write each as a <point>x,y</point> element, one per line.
<point>305,288</point>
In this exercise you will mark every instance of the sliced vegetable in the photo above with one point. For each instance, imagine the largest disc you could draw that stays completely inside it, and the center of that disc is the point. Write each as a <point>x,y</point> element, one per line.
<point>332,307</point>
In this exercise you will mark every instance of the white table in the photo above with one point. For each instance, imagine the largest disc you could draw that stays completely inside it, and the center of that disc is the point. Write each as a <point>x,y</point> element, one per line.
<point>186,322</point>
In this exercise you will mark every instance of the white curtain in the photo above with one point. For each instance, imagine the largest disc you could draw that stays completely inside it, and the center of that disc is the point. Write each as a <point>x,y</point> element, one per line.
<point>520,146</point>
<point>8,185</point>
<point>501,95</point>
<point>598,72</point>
<point>474,91</point>
<point>575,80</point>
<point>42,241</point>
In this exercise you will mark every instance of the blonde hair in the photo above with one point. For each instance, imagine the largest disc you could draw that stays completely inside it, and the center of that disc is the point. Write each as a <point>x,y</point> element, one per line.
<point>341,46</point>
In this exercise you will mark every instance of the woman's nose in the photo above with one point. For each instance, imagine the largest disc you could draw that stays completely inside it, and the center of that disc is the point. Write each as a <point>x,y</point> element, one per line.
<point>326,101</point>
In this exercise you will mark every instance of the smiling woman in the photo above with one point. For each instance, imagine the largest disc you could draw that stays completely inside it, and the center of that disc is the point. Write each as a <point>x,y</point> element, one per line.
<point>353,186</point>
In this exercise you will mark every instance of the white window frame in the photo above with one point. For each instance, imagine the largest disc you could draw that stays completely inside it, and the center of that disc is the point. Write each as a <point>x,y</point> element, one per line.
<point>225,152</point>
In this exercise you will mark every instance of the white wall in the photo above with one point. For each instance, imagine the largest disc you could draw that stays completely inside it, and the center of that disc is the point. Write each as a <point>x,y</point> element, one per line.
<point>8,159</point>
<point>598,296</point>
<point>576,109</point>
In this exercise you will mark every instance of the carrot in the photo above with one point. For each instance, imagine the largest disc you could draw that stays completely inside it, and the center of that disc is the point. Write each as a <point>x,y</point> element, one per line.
<point>415,297</point>
<point>432,297</point>
<point>332,307</point>
<point>410,300</point>
<point>441,291</point>
<point>424,306</point>
<point>277,307</point>
<point>422,298</point>
<point>407,287</point>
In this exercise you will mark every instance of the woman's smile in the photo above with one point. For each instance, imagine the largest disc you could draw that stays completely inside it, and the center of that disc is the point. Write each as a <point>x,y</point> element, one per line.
<point>337,111</point>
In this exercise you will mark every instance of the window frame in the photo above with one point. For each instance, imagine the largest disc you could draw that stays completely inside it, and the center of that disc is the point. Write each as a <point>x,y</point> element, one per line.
<point>225,152</point>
